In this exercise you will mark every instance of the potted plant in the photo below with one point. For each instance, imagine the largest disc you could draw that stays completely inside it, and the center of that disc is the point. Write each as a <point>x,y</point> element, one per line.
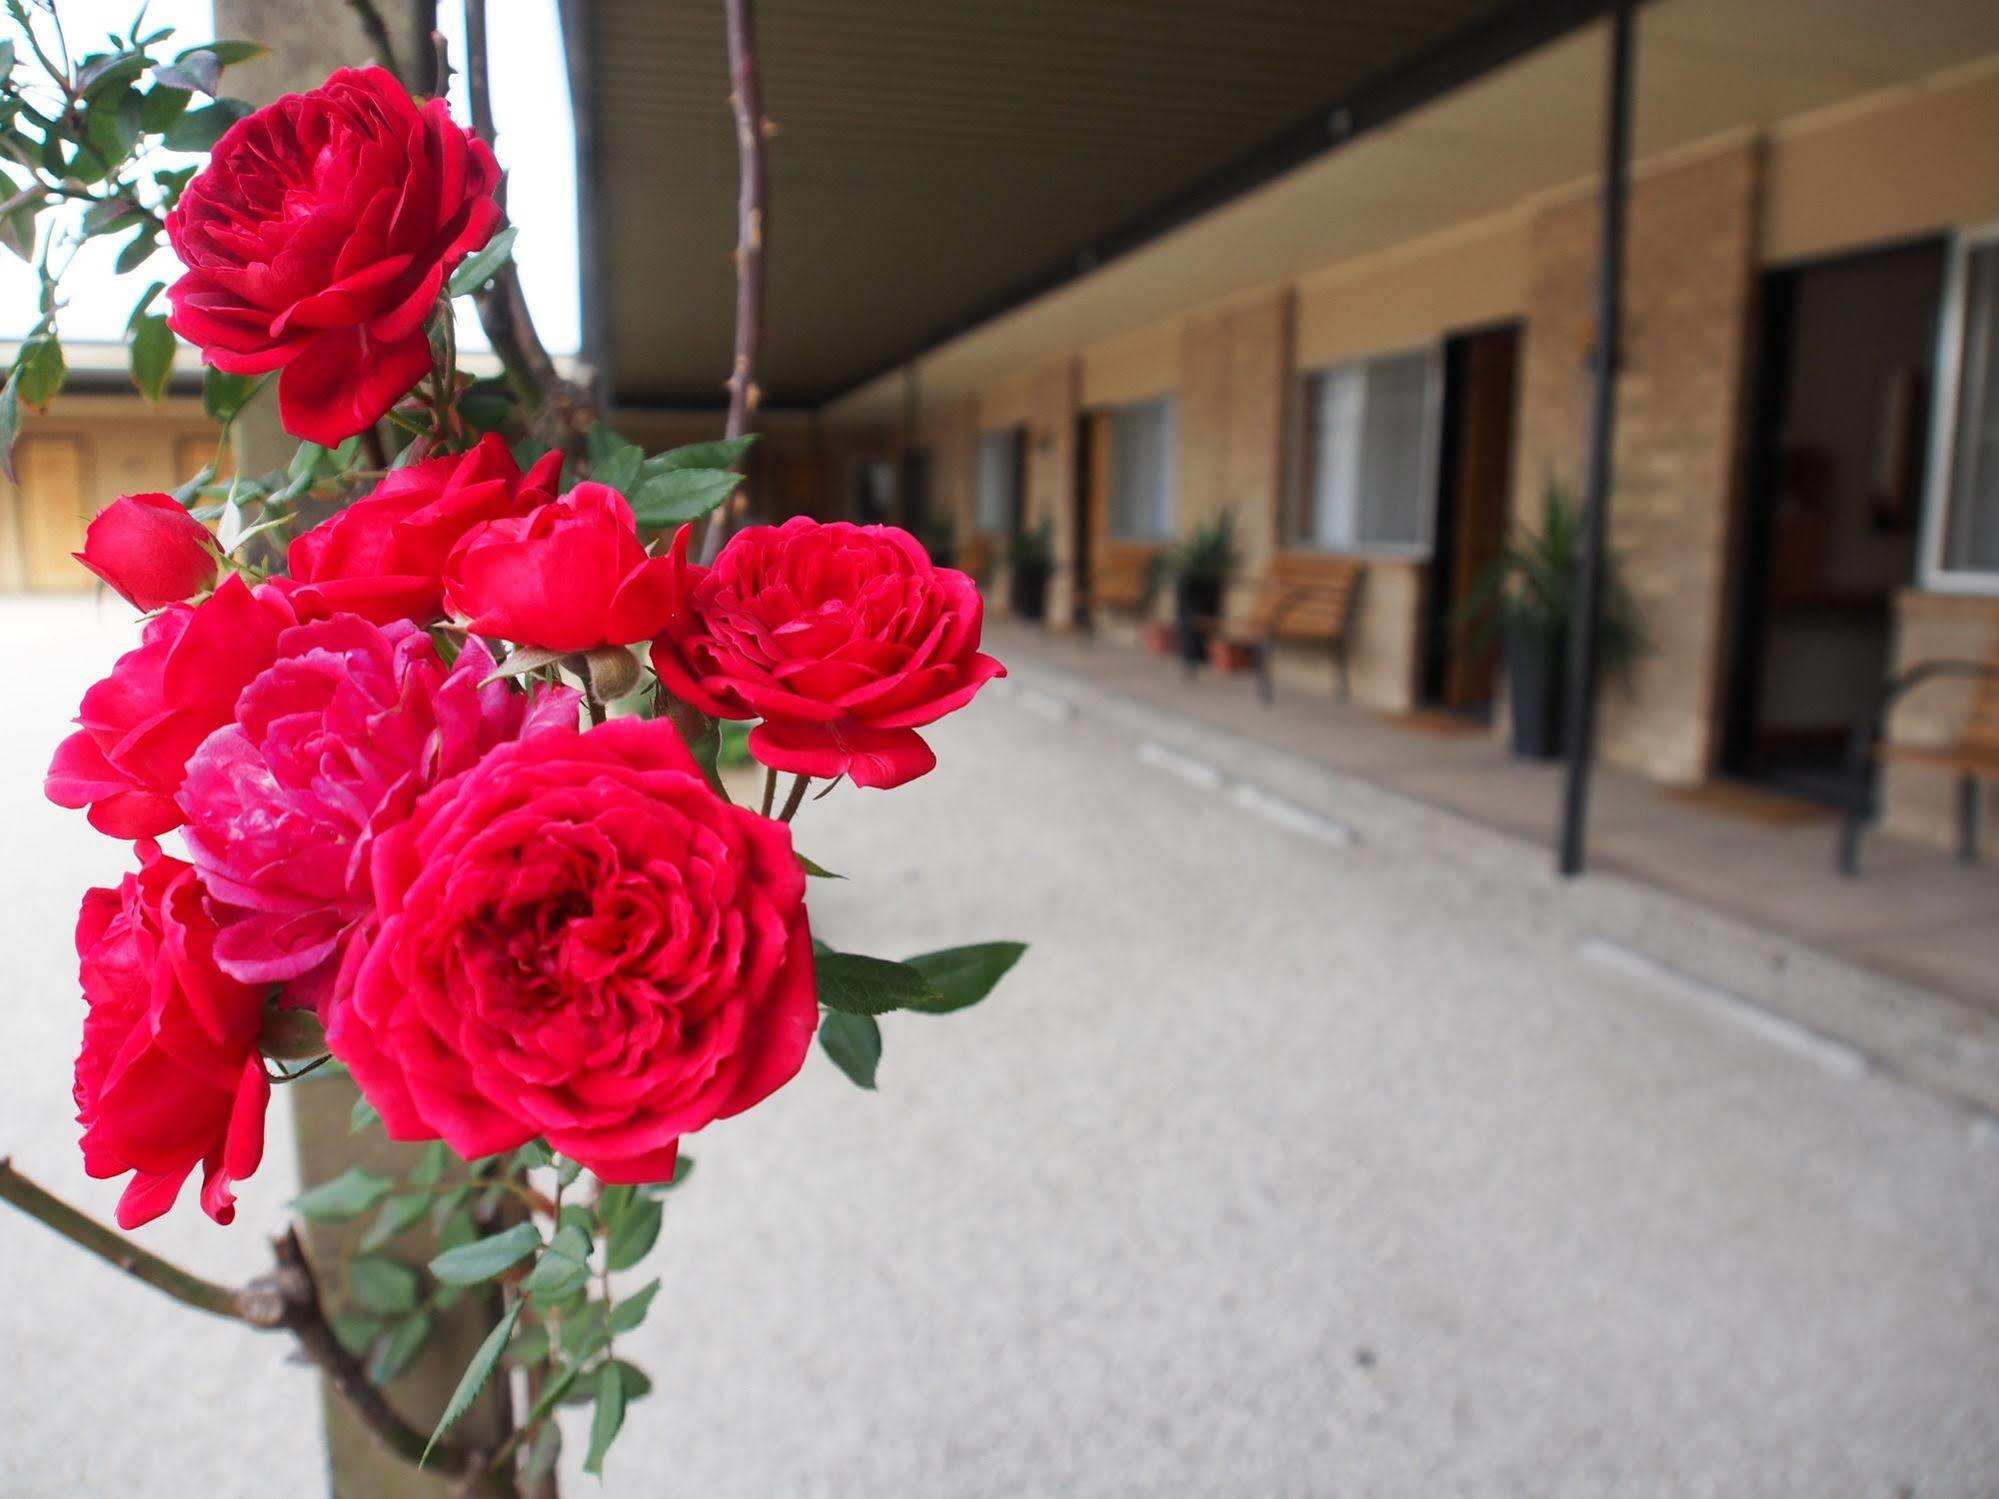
<point>1030,560</point>
<point>1200,566</point>
<point>1529,592</point>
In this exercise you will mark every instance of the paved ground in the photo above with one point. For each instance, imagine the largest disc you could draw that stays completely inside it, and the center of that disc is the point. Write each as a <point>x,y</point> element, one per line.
<point>1322,1146</point>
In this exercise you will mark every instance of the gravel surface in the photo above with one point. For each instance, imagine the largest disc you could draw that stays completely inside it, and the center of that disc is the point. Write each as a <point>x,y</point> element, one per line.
<point>1287,1163</point>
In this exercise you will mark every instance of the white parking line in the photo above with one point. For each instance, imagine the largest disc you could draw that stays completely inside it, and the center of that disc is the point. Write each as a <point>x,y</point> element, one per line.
<point>1048,705</point>
<point>1289,815</point>
<point>1194,772</point>
<point>1815,1046</point>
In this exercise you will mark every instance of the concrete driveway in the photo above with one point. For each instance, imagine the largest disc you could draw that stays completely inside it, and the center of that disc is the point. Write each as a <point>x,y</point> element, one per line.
<point>1321,1146</point>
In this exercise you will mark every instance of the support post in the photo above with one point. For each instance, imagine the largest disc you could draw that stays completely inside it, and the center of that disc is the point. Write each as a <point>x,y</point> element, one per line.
<point>1583,627</point>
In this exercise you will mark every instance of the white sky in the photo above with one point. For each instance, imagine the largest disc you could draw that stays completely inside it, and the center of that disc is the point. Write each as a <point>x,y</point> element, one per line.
<point>536,147</point>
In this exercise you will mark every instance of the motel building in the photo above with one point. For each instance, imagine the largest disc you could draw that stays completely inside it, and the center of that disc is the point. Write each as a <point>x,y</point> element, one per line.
<point>1365,331</point>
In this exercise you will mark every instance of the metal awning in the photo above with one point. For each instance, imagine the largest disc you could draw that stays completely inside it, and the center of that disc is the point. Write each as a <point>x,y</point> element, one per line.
<point>938,163</point>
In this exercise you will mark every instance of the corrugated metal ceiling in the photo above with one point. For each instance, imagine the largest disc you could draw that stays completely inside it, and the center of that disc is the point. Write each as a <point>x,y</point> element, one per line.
<point>929,155</point>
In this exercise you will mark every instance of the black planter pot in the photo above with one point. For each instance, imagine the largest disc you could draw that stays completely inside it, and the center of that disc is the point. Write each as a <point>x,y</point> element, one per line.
<point>1537,692</point>
<point>1027,591</point>
<point>1199,601</point>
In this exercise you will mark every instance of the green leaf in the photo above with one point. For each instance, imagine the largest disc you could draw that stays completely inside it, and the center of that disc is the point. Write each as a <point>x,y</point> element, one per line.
<point>482,1259</point>
<point>563,1266</point>
<point>364,1115</point>
<point>456,1225</point>
<point>542,1456</point>
<point>102,217</point>
<point>355,1331</point>
<point>480,268</point>
<point>199,69</point>
<point>583,1335</point>
<point>162,107</point>
<point>10,421</point>
<point>476,1374</point>
<point>636,1231</point>
<point>552,1393</point>
<point>223,395</point>
<point>817,871</point>
<point>400,1212</point>
<point>535,1153</point>
<point>103,74</point>
<point>227,53</point>
<point>631,1311</point>
<point>726,453</point>
<point>620,470</point>
<point>963,976</point>
<point>567,1170</point>
<point>153,346</point>
<point>429,1171</point>
<point>382,1286</point>
<point>609,1416</point>
<point>199,129</point>
<point>638,1384</point>
<point>348,1195</point>
<point>854,1042</point>
<point>681,494</point>
<point>401,1347</point>
<point>139,249</point>
<point>855,985</point>
<point>41,369</point>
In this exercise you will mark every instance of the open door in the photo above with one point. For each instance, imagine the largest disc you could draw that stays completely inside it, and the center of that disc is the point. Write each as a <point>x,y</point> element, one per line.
<point>1475,475</point>
<point>1092,509</point>
<point>1831,506</point>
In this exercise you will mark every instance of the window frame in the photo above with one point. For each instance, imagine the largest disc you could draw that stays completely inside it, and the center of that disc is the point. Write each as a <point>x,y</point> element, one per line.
<point>1013,520</point>
<point>1296,535</point>
<point>1168,405</point>
<point>1935,575</point>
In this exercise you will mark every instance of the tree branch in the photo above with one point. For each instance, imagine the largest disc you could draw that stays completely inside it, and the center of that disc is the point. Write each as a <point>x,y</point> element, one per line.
<point>285,1297</point>
<point>114,1248</point>
<point>752,213</point>
<point>559,411</point>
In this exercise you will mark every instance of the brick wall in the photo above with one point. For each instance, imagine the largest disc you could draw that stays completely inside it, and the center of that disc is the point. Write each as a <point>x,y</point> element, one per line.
<point>1690,279</point>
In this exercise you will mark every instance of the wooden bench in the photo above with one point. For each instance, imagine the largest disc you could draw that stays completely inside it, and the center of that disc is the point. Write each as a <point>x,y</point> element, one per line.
<point>1124,578</point>
<point>1972,757</point>
<point>1305,600</point>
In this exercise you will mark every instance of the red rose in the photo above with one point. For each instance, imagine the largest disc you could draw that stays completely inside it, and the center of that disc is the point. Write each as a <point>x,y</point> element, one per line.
<point>317,239</point>
<point>843,639</point>
<point>576,939</point>
<point>148,548</point>
<point>169,1076</point>
<point>383,556</point>
<point>141,723</point>
<point>570,576</point>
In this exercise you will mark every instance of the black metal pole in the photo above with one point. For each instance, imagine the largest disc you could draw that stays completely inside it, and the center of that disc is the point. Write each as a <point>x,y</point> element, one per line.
<point>1583,652</point>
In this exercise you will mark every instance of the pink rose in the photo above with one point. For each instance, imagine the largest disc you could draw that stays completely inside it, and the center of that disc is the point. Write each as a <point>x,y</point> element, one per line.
<point>169,1077</point>
<point>140,724</point>
<point>578,940</point>
<point>148,548</point>
<point>317,240</point>
<point>334,741</point>
<point>570,576</point>
<point>843,639</point>
<point>383,556</point>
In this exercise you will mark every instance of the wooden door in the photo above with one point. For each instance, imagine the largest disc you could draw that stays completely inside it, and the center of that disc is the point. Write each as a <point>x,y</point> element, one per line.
<point>1478,476</point>
<point>53,512</point>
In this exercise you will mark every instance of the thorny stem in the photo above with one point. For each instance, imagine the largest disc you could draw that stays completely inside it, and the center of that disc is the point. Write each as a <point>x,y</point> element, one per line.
<point>793,801</point>
<point>378,34</point>
<point>284,1298</point>
<point>770,790</point>
<point>752,215</point>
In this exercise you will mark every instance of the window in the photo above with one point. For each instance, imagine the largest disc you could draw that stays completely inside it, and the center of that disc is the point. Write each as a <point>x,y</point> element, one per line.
<point>999,481</point>
<point>1142,471</point>
<point>1963,511</point>
<point>1370,468</point>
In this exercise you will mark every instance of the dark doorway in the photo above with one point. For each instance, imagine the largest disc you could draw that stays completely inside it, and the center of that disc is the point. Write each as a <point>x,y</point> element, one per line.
<point>1832,501</point>
<point>1092,491</point>
<point>1474,478</point>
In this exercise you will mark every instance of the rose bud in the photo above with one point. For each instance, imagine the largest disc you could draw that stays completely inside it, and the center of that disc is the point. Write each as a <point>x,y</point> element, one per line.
<point>568,576</point>
<point>150,550</point>
<point>843,639</point>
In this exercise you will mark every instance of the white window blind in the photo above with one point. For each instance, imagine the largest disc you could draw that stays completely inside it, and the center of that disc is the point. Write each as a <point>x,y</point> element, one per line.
<point>1142,471</point>
<point>1968,544</point>
<point>998,480</point>
<point>1373,453</point>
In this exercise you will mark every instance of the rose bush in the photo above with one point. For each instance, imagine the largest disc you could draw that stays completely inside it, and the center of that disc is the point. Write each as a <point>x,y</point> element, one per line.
<point>571,576</point>
<point>149,549</point>
<point>332,742</point>
<point>383,556</point>
<point>843,639</point>
<point>317,240</point>
<point>140,724</point>
<point>169,1077</point>
<point>577,940</point>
